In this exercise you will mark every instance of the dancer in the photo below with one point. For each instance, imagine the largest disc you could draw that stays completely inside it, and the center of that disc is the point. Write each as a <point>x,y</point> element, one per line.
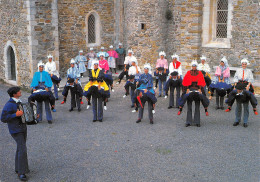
<point>81,62</point>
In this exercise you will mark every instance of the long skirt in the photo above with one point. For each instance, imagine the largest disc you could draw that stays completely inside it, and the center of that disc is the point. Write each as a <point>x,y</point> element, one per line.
<point>112,62</point>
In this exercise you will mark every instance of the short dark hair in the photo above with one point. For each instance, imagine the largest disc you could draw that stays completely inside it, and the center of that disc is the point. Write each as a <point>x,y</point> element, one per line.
<point>13,90</point>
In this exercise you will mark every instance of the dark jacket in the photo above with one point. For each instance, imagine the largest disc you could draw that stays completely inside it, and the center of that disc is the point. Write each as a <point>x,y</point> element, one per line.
<point>15,124</point>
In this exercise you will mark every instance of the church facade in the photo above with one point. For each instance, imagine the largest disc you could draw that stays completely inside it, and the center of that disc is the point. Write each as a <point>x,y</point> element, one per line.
<point>32,29</point>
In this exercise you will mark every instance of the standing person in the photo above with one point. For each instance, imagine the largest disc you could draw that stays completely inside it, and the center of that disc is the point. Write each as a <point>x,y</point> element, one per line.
<point>163,64</point>
<point>102,51</point>
<point>112,59</point>
<point>121,56</point>
<point>42,80</point>
<point>243,93</point>
<point>221,79</point>
<point>91,56</point>
<point>81,62</point>
<point>127,63</point>
<point>146,93</point>
<point>96,88</point>
<point>73,84</point>
<point>193,81</point>
<point>18,130</point>
<point>50,67</point>
<point>205,69</point>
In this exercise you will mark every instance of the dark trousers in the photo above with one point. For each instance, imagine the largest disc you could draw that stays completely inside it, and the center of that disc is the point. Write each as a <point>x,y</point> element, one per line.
<point>196,114</point>
<point>219,100</point>
<point>171,99</point>
<point>122,74</point>
<point>150,108</point>
<point>132,90</point>
<point>75,98</point>
<point>21,160</point>
<point>97,108</point>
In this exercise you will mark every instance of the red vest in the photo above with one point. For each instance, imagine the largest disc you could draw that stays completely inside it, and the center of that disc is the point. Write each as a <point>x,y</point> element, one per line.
<point>176,65</point>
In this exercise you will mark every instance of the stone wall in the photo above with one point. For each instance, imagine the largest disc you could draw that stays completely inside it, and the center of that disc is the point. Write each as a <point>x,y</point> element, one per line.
<point>72,26</point>
<point>245,37</point>
<point>13,31</point>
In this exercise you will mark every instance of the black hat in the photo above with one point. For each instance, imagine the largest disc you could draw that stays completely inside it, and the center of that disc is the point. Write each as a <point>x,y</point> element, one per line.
<point>160,68</point>
<point>175,73</point>
<point>131,77</point>
<point>13,90</point>
<point>240,86</point>
<point>71,80</point>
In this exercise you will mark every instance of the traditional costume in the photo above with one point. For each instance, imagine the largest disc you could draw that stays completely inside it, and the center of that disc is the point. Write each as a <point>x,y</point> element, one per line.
<point>221,83</point>
<point>42,80</point>
<point>50,67</point>
<point>205,69</point>
<point>81,62</point>
<point>106,55</point>
<point>193,84</point>
<point>242,94</point>
<point>112,59</point>
<point>73,84</point>
<point>145,93</point>
<point>121,56</point>
<point>91,56</point>
<point>104,66</point>
<point>99,94</point>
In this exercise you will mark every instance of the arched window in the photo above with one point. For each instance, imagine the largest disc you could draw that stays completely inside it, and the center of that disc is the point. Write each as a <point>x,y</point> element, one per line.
<point>11,60</point>
<point>222,17</point>
<point>10,63</point>
<point>91,29</point>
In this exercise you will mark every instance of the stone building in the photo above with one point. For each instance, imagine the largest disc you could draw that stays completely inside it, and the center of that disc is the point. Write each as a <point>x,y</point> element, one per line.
<point>32,29</point>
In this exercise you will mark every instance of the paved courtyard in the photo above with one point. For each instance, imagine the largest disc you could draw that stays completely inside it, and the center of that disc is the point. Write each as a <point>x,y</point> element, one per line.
<point>75,149</point>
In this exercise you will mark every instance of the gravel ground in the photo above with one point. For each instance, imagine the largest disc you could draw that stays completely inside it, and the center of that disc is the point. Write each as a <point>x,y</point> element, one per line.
<point>74,148</point>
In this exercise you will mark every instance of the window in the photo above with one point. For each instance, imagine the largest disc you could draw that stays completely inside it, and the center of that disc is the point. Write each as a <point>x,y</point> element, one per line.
<point>10,63</point>
<point>216,26</point>
<point>222,17</point>
<point>91,29</point>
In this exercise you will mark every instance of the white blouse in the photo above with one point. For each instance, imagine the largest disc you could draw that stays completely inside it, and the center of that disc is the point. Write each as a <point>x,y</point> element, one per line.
<point>132,70</point>
<point>204,67</point>
<point>248,75</point>
<point>50,67</point>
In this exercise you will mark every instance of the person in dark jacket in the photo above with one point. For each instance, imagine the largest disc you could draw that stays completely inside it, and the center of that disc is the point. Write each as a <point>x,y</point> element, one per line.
<point>18,130</point>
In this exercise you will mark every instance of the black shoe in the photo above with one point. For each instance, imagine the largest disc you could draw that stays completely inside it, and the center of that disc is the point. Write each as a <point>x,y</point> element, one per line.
<point>245,125</point>
<point>71,110</point>
<point>217,107</point>
<point>151,121</point>
<point>236,123</point>
<point>94,120</point>
<point>22,177</point>
<point>138,121</point>
<point>170,107</point>
<point>187,125</point>
<point>132,106</point>
<point>50,122</point>
<point>198,125</point>
<point>101,120</point>
<point>79,109</point>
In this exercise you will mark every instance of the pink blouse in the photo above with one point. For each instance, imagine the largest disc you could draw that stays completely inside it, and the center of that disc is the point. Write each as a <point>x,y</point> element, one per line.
<point>104,65</point>
<point>226,73</point>
<point>112,54</point>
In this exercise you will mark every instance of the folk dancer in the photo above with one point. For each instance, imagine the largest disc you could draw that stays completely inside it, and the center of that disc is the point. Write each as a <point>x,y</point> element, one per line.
<point>145,93</point>
<point>18,130</point>
<point>121,56</point>
<point>112,59</point>
<point>243,93</point>
<point>102,51</point>
<point>221,83</point>
<point>127,63</point>
<point>90,56</point>
<point>81,62</point>
<point>50,67</point>
<point>98,89</point>
<point>161,72</point>
<point>193,83</point>
<point>205,69</point>
<point>73,84</point>
<point>42,81</point>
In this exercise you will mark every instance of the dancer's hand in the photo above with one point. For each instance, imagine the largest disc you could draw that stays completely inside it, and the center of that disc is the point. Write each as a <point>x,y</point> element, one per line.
<point>19,113</point>
<point>200,91</point>
<point>188,90</point>
<point>46,89</point>
<point>99,87</point>
<point>145,90</point>
<point>247,88</point>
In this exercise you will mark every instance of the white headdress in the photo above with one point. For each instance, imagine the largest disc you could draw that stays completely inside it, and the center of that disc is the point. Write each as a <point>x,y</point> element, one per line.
<point>81,51</point>
<point>130,51</point>
<point>40,63</point>
<point>162,53</point>
<point>245,61</point>
<point>134,60</point>
<point>101,54</point>
<point>91,49</point>
<point>224,60</point>
<point>111,47</point>
<point>175,56</point>
<point>50,56</point>
<point>72,61</point>
<point>95,62</point>
<point>147,66</point>
<point>194,63</point>
<point>203,58</point>
<point>120,44</point>
<point>102,48</point>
